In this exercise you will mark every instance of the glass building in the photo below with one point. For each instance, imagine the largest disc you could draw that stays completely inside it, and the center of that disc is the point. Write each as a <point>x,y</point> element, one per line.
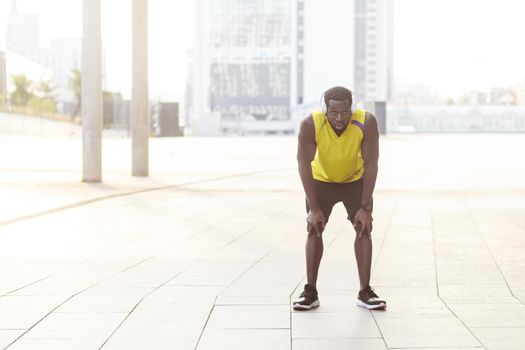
<point>373,49</point>
<point>263,63</point>
<point>246,61</point>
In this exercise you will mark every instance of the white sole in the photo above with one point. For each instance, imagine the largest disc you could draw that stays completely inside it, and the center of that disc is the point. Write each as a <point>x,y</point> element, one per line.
<point>307,307</point>
<point>370,307</point>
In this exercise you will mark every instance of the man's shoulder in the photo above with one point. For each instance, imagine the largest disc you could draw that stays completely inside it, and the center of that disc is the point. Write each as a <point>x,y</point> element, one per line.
<point>307,127</point>
<point>370,118</point>
<point>371,127</point>
<point>308,120</point>
<point>369,115</point>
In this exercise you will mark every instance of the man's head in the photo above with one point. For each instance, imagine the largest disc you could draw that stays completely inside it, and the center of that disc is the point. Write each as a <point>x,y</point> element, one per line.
<point>338,101</point>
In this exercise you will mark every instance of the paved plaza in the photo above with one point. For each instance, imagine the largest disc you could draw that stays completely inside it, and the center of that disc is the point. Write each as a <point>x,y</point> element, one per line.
<point>208,251</point>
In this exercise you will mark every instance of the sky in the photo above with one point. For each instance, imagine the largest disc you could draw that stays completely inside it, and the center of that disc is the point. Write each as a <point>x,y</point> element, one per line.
<point>170,38</point>
<point>459,45</point>
<point>453,46</point>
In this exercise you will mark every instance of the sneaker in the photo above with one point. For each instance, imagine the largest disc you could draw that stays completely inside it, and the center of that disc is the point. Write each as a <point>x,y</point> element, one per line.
<point>369,300</point>
<point>307,300</point>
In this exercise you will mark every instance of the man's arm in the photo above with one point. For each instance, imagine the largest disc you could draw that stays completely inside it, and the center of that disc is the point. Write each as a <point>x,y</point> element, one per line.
<point>305,154</point>
<point>370,153</point>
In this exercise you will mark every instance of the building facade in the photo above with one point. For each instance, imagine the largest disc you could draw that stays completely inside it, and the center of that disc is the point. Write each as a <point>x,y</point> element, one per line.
<point>245,62</point>
<point>63,55</point>
<point>374,29</point>
<point>22,33</point>
<point>3,81</point>
<point>256,64</point>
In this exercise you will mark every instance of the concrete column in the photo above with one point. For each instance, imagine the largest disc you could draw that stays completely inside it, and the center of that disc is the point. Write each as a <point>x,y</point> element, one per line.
<point>380,113</point>
<point>139,93</point>
<point>378,108</point>
<point>3,82</point>
<point>91,93</point>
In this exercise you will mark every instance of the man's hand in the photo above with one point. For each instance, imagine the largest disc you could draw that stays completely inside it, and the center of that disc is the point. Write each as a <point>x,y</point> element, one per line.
<point>316,222</point>
<point>363,221</point>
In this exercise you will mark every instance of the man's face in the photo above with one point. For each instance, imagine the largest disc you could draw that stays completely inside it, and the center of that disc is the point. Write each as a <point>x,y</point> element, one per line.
<point>339,114</point>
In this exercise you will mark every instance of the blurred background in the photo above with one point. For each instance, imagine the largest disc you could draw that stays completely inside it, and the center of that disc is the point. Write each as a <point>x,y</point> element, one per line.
<point>242,67</point>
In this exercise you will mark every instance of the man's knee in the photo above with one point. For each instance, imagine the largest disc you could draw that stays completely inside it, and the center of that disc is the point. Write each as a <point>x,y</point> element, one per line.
<point>313,237</point>
<point>357,229</point>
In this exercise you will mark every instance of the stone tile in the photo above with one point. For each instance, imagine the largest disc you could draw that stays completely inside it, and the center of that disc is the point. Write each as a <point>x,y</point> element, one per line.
<point>514,274</point>
<point>413,253</point>
<point>270,276</point>
<point>250,316</point>
<point>104,300</point>
<point>252,300</point>
<point>337,344</point>
<point>215,235</point>
<point>423,328</point>
<point>140,279</point>
<point>413,220</point>
<point>520,295</point>
<point>504,247</point>
<point>7,336</point>
<point>401,302</point>
<point>404,275</point>
<point>277,260</point>
<point>314,325</point>
<point>211,274</point>
<point>407,234</point>
<point>168,295</point>
<point>69,282</point>
<point>22,312</point>
<point>11,283</point>
<point>35,269</point>
<point>167,326</point>
<point>56,344</point>
<point>241,339</point>
<point>7,265</point>
<point>476,294</point>
<point>259,290</point>
<point>330,278</point>
<point>190,290</point>
<point>491,315</point>
<point>469,273</point>
<point>96,327</point>
<point>404,291</point>
<point>457,244</point>
<point>501,338</point>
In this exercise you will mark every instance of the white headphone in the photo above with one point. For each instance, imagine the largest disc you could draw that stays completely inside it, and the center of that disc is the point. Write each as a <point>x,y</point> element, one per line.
<point>353,107</point>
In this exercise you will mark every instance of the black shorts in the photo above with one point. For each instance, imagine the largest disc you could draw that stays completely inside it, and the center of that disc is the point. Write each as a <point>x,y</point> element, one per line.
<point>330,193</point>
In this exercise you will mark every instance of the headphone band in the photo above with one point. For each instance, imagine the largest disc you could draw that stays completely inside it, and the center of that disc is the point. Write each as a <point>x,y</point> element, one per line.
<point>324,107</point>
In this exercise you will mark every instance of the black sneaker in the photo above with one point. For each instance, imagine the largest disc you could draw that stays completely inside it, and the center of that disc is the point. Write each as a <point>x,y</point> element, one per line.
<point>307,300</point>
<point>369,300</point>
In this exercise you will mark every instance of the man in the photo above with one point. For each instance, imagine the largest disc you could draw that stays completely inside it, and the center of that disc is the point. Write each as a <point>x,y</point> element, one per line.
<point>337,153</point>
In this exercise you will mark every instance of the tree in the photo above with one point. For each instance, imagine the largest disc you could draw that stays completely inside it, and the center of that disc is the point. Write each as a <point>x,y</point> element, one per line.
<point>45,99</point>
<point>75,84</point>
<point>46,90</point>
<point>22,94</point>
<point>2,102</point>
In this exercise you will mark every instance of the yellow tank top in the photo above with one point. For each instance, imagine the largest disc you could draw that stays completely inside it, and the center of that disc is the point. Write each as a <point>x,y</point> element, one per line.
<point>338,158</point>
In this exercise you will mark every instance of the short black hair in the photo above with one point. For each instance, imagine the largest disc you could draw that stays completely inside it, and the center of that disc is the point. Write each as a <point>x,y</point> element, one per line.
<point>337,93</point>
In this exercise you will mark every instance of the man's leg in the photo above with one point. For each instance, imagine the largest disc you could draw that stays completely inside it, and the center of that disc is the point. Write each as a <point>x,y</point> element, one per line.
<point>326,196</point>
<point>363,245</point>
<point>314,253</point>
<point>366,297</point>
<point>363,255</point>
